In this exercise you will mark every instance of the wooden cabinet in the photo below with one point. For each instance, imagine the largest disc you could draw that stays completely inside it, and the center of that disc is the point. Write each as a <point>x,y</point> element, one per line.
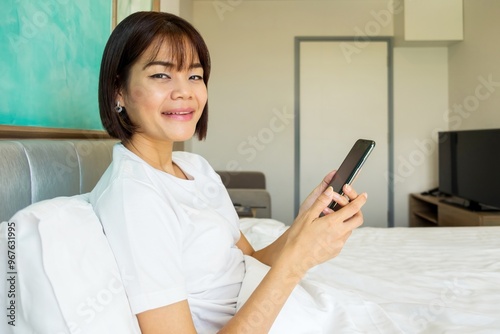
<point>423,211</point>
<point>426,211</point>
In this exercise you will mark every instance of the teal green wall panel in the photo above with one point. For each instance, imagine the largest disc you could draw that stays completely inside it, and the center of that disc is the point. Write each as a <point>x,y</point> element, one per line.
<point>49,61</point>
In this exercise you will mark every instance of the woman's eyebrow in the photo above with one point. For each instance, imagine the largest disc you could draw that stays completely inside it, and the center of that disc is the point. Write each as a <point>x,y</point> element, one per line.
<point>168,64</point>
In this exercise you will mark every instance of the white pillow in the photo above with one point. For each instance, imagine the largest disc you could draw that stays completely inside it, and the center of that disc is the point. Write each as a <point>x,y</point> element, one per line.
<point>67,278</point>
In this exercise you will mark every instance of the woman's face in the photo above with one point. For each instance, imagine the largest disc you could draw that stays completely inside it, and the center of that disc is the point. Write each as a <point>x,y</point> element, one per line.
<point>163,101</point>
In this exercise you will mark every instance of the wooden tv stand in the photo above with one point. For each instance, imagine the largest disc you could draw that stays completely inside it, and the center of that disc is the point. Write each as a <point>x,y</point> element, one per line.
<point>426,211</point>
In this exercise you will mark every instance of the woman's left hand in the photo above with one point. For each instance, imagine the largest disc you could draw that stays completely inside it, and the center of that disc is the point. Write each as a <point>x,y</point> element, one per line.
<point>311,198</point>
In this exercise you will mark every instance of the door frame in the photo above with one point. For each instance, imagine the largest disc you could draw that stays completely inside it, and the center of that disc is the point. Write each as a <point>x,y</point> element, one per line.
<point>390,112</point>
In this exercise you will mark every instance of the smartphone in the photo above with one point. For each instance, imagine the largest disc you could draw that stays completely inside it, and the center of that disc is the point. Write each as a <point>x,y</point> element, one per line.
<point>350,167</point>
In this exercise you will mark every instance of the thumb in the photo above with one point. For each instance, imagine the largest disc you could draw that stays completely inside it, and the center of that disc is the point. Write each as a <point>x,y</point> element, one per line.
<point>322,202</point>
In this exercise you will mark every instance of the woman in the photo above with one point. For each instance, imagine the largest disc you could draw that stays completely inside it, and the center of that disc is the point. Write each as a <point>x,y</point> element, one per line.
<point>167,216</point>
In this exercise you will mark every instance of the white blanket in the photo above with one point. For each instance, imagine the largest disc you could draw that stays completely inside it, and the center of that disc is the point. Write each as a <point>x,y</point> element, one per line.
<point>400,280</point>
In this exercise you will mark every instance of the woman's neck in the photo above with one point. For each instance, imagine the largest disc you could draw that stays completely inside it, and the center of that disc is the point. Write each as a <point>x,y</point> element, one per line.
<point>158,154</point>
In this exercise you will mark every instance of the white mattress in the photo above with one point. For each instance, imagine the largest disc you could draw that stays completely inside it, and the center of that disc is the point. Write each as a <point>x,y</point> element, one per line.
<point>403,280</point>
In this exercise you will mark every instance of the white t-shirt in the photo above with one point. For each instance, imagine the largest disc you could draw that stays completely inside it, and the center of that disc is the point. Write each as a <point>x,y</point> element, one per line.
<point>173,239</point>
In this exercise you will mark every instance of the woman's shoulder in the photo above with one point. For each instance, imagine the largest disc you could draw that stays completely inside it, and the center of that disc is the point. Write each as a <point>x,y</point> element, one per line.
<point>196,166</point>
<point>193,159</point>
<point>124,171</point>
<point>188,156</point>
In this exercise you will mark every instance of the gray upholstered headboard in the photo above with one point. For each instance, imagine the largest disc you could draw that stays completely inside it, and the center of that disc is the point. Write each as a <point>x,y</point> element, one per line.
<point>32,170</point>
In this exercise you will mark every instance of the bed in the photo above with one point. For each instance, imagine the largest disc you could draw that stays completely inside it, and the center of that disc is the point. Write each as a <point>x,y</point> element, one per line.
<point>398,280</point>
<point>60,275</point>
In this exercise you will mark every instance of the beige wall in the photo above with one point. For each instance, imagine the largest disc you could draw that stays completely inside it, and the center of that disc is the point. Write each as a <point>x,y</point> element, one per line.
<point>474,68</point>
<point>420,109</point>
<point>252,86</point>
<point>183,8</point>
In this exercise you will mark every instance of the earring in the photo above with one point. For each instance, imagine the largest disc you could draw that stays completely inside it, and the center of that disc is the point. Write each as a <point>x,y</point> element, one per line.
<point>118,107</point>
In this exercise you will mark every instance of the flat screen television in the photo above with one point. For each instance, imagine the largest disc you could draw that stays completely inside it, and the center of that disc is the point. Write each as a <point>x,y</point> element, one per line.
<point>469,168</point>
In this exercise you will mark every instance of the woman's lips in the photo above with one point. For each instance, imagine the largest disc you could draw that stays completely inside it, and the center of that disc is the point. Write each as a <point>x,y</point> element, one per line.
<point>179,114</point>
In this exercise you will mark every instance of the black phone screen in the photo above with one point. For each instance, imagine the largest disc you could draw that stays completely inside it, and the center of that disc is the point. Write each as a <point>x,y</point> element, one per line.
<point>351,166</point>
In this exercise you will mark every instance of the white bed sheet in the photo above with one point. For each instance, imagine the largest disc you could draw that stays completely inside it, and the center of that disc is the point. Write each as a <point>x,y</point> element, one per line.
<point>398,280</point>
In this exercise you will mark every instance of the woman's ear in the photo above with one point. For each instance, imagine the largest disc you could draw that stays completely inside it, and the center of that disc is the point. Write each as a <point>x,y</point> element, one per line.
<point>119,98</point>
<point>119,91</point>
<point>119,103</point>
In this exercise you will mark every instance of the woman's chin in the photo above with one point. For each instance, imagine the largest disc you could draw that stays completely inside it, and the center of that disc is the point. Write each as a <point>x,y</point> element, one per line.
<point>181,136</point>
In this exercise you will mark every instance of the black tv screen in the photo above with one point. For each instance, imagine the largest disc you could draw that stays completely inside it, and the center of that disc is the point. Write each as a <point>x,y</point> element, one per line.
<point>469,167</point>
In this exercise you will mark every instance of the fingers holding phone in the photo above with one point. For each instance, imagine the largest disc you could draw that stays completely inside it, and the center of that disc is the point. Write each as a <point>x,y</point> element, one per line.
<point>350,168</point>
<point>349,194</point>
<point>316,192</point>
<point>318,239</point>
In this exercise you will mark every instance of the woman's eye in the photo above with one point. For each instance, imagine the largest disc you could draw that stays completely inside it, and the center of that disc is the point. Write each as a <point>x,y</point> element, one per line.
<point>196,77</point>
<point>160,76</point>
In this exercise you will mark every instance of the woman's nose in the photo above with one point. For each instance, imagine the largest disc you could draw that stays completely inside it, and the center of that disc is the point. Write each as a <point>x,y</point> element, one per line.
<point>181,89</point>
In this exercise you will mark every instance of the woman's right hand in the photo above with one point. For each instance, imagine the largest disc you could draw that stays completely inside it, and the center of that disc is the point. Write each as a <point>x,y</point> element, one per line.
<point>312,239</point>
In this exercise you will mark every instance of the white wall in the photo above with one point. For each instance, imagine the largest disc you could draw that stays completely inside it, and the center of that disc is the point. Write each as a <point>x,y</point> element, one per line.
<point>420,104</point>
<point>252,87</point>
<point>251,91</point>
<point>183,8</point>
<point>474,79</point>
